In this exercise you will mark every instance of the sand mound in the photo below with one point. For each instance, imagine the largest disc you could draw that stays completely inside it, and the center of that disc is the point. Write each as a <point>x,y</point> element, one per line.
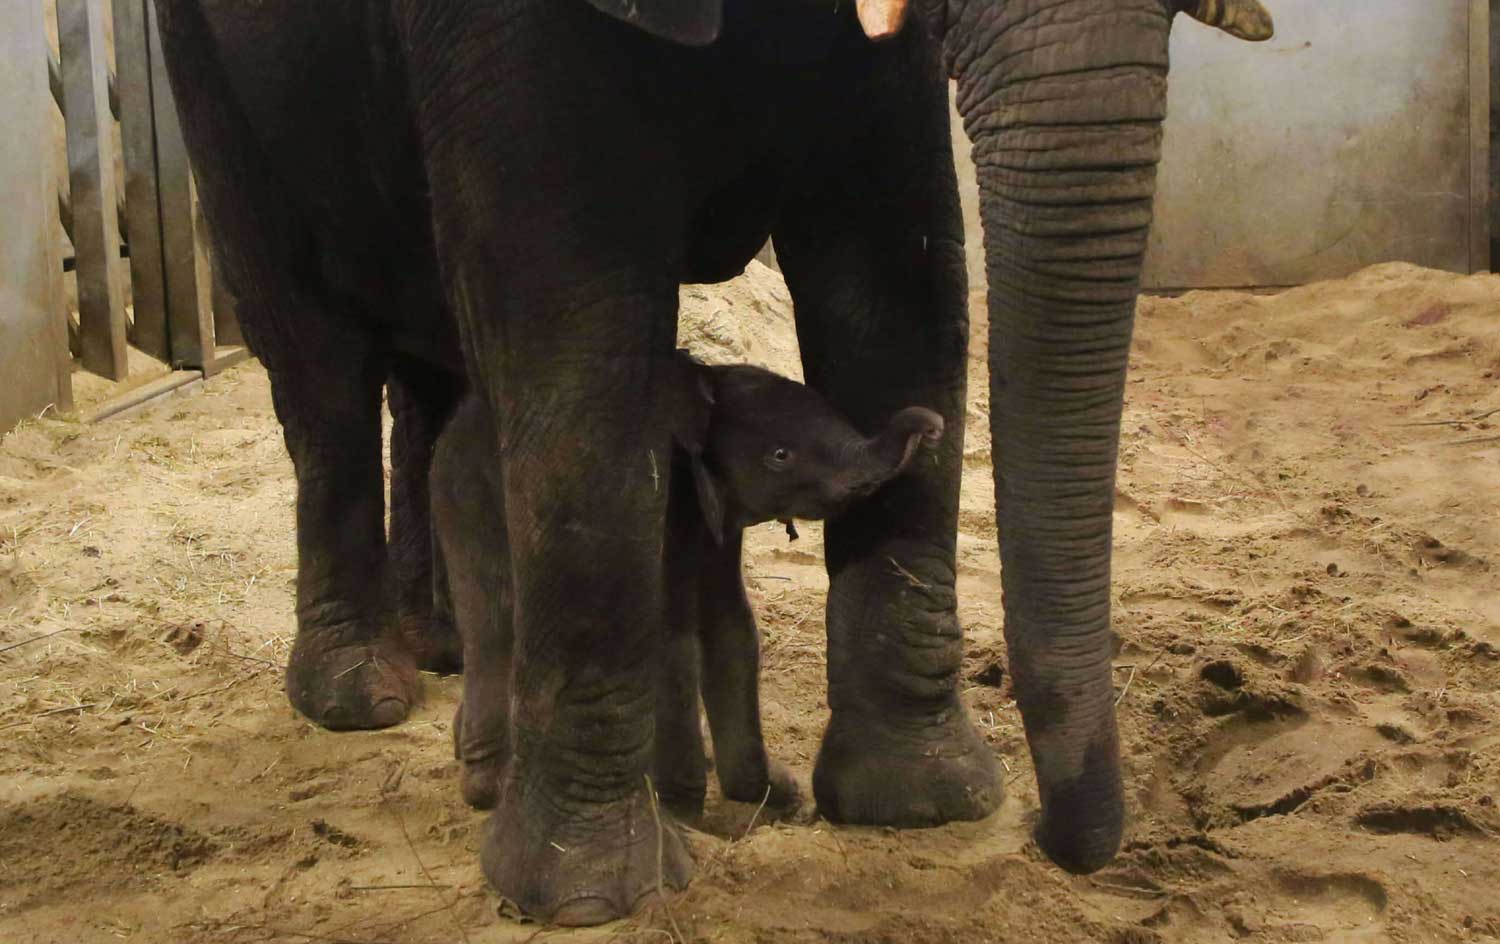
<point>744,321</point>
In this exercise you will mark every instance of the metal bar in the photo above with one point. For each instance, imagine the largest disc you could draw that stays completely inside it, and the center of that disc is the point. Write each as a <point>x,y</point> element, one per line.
<point>91,172</point>
<point>134,51</point>
<point>1479,136</point>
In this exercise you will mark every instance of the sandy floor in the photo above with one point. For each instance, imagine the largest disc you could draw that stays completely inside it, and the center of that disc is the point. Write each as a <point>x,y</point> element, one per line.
<point>1308,514</point>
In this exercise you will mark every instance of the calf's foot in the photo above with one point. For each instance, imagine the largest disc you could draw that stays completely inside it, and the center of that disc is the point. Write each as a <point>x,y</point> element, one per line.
<point>684,802</point>
<point>346,686</point>
<point>434,643</point>
<point>482,764</point>
<point>480,780</point>
<point>776,787</point>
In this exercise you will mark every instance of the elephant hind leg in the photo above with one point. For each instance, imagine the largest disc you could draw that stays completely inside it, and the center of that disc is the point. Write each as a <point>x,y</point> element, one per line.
<point>468,517</point>
<point>349,668</point>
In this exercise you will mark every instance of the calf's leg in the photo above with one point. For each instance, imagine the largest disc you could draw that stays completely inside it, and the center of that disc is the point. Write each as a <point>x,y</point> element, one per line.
<point>421,399</point>
<point>731,680</point>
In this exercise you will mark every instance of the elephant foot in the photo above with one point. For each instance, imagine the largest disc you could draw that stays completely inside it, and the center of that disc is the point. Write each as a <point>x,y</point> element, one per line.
<point>434,643</point>
<point>352,686</point>
<point>871,772</point>
<point>778,788</point>
<point>585,867</point>
<point>482,767</point>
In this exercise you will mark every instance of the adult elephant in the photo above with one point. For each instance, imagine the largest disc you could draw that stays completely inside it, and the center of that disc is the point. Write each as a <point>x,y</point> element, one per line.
<point>518,187</point>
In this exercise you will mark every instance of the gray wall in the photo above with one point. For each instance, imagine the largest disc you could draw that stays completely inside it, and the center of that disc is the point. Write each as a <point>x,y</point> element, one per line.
<point>1343,142</point>
<point>30,263</point>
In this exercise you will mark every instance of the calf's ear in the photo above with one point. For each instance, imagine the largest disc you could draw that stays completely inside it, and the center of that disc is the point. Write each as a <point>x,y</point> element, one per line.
<point>691,394</point>
<point>693,412</point>
<point>710,502</point>
<point>690,22</point>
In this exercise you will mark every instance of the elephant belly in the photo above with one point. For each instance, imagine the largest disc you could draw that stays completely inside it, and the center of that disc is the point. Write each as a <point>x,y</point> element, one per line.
<point>731,227</point>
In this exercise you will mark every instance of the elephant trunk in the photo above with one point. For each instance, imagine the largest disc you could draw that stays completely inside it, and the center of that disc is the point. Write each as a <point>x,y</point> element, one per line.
<point>1063,100</point>
<point>888,454</point>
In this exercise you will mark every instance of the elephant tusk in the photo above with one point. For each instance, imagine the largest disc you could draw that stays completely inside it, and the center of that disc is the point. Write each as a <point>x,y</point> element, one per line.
<point>883,19</point>
<point>1245,19</point>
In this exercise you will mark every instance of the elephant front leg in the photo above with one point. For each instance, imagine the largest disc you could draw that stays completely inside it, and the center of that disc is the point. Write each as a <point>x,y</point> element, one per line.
<point>577,836</point>
<point>900,749</point>
<point>874,260</point>
<point>559,254</point>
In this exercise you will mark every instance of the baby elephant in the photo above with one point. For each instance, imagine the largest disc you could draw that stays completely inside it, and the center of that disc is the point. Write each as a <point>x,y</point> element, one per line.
<point>752,446</point>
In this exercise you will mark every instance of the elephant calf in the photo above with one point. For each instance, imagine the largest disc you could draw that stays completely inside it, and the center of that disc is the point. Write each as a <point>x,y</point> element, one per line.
<point>751,446</point>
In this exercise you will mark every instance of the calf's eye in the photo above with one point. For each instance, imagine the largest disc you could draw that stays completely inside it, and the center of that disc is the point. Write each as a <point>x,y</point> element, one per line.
<point>778,458</point>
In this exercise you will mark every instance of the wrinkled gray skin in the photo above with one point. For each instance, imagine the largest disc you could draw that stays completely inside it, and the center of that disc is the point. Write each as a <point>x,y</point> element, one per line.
<point>512,191</point>
<point>750,446</point>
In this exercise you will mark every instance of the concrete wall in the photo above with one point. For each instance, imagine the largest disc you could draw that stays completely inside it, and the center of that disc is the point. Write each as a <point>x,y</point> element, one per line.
<point>1342,142</point>
<point>30,264</point>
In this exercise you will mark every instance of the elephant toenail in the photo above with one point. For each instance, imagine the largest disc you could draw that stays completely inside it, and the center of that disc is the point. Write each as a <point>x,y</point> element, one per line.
<point>585,912</point>
<point>391,711</point>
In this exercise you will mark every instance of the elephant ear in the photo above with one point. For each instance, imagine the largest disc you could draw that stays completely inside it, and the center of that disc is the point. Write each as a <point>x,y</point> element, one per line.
<point>1243,19</point>
<point>692,415</point>
<point>690,22</point>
